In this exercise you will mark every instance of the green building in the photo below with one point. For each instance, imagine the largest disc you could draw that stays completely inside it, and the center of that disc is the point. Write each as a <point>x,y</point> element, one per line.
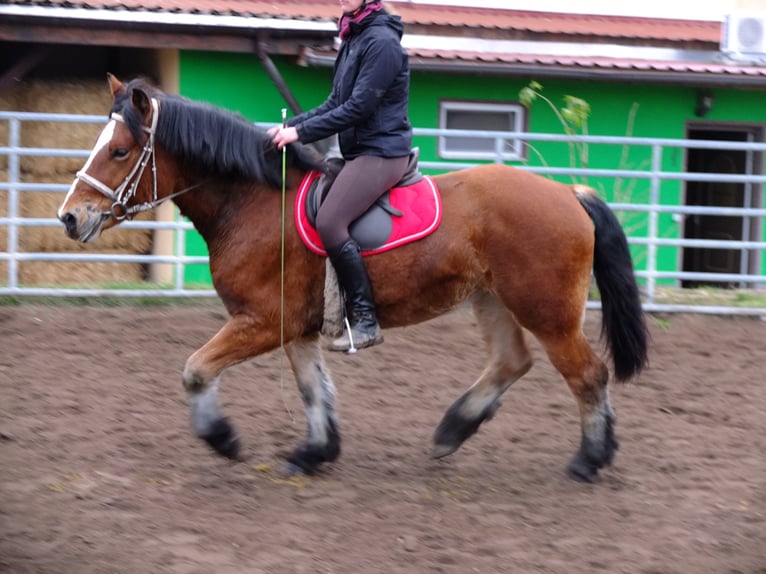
<point>640,77</point>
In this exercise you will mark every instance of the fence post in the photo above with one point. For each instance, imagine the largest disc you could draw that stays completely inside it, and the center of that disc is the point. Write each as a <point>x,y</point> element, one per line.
<point>180,236</point>
<point>744,263</point>
<point>654,201</point>
<point>14,178</point>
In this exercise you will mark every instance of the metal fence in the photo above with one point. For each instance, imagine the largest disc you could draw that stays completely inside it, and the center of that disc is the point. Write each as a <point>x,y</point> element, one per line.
<point>652,208</point>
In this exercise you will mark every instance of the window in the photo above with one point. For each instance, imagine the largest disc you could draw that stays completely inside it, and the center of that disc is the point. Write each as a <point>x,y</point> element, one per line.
<point>480,116</point>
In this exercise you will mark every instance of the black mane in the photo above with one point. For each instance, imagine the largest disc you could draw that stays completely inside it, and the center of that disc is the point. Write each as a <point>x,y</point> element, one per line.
<point>220,141</point>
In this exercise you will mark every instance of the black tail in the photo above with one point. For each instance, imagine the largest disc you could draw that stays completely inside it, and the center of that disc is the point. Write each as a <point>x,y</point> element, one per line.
<point>623,323</point>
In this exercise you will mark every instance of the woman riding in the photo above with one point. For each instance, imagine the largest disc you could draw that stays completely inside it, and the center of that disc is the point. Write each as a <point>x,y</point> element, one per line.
<point>367,109</point>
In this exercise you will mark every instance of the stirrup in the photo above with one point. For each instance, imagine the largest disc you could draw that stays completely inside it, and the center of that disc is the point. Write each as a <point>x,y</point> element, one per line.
<point>353,339</point>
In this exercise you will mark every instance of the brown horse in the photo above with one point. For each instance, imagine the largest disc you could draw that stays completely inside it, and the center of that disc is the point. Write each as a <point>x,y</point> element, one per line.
<point>518,246</point>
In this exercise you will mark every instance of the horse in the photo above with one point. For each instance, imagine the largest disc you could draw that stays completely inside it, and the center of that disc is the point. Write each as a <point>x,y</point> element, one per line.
<point>519,248</point>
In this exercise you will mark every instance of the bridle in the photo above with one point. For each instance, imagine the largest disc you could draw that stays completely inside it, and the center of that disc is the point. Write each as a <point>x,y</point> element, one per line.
<point>127,189</point>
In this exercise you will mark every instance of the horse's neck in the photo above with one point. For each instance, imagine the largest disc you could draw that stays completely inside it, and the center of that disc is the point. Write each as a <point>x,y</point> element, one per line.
<point>217,208</point>
<point>204,206</point>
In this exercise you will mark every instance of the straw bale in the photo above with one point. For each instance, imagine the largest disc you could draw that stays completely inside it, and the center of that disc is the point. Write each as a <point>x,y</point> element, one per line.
<point>8,99</point>
<point>3,228</point>
<point>3,194</point>
<point>77,274</point>
<point>52,239</point>
<point>81,97</point>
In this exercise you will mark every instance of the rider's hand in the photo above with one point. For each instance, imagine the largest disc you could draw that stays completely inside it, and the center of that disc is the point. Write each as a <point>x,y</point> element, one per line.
<point>283,136</point>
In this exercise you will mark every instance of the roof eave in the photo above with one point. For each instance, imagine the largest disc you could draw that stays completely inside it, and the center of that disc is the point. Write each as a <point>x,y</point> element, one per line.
<point>156,18</point>
<point>696,79</point>
<point>539,71</point>
<point>143,29</point>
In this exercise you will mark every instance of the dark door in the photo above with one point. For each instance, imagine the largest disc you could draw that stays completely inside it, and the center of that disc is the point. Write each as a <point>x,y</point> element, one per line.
<point>721,194</point>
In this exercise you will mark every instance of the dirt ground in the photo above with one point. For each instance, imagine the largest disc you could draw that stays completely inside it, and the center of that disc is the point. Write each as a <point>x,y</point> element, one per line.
<point>99,472</point>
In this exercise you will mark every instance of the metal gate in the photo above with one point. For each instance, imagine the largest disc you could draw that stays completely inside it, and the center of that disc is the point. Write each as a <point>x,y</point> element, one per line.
<point>652,278</point>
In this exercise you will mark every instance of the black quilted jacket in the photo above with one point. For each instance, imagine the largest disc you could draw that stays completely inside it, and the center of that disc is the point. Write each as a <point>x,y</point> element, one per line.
<point>367,107</point>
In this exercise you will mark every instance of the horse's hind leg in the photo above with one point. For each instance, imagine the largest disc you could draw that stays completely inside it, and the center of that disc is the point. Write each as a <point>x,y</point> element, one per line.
<point>318,392</point>
<point>587,378</point>
<point>509,360</point>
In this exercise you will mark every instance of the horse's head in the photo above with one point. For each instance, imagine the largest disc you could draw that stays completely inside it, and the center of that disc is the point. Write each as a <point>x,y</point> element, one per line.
<point>114,183</point>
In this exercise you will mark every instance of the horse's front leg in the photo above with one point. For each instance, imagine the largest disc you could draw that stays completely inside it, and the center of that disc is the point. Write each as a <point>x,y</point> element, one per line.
<point>240,339</point>
<point>318,392</point>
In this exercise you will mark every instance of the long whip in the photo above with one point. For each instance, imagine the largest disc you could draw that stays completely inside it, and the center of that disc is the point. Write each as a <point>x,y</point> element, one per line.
<point>282,242</point>
<point>282,276</point>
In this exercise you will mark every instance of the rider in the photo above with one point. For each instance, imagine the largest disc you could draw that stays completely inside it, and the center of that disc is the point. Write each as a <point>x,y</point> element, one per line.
<point>367,108</point>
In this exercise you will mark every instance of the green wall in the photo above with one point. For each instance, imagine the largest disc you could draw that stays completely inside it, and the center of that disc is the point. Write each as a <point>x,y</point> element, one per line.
<point>239,82</point>
<point>659,112</point>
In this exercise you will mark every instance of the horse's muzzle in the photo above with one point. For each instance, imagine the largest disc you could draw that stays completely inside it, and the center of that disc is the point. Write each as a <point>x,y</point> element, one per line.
<point>84,231</point>
<point>70,224</point>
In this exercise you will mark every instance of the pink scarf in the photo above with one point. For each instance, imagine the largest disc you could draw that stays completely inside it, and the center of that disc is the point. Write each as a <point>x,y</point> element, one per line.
<point>356,17</point>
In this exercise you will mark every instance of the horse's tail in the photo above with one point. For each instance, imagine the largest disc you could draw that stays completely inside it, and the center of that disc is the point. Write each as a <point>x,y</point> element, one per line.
<point>623,323</point>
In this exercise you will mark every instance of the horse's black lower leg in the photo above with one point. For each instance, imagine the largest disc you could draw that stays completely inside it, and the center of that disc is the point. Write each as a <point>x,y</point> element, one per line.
<point>509,360</point>
<point>458,424</point>
<point>307,457</point>
<point>318,392</point>
<point>222,438</point>
<point>599,444</point>
<point>209,424</point>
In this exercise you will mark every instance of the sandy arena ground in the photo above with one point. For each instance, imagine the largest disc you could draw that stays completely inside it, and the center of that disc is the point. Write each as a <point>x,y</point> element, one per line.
<point>100,474</point>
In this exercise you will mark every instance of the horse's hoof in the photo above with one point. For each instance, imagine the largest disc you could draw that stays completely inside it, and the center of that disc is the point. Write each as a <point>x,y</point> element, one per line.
<point>454,429</point>
<point>289,470</point>
<point>223,439</point>
<point>305,460</point>
<point>442,450</point>
<point>307,457</point>
<point>297,464</point>
<point>581,470</point>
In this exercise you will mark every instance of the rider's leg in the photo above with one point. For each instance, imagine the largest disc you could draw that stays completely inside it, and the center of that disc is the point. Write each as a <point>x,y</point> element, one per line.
<point>358,185</point>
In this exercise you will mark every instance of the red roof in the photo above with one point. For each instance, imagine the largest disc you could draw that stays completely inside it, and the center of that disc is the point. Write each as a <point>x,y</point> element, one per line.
<point>425,15</point>
<point>594,62</point>
<point>493,38</point>
<point>562,24</point>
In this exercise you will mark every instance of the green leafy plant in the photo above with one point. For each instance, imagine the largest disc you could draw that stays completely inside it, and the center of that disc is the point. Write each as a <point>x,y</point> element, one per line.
<point>573,117</point>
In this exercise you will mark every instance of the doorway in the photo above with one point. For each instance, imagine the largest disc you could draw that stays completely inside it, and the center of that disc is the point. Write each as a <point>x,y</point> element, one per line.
<point>722,194</point>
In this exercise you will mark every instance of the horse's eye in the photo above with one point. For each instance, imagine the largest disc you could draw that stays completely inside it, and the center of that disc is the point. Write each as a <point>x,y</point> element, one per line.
<point>120,153</point>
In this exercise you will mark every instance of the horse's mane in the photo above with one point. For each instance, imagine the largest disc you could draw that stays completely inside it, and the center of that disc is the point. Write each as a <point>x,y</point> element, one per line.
<point>220,141</point>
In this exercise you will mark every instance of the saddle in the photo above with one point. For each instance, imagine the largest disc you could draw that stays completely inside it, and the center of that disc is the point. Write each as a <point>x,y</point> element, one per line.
<point>409,211</point>
<point>373,228</point>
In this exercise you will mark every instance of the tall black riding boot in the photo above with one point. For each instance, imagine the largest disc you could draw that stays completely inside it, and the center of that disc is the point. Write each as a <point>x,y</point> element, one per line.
<point>352,276</point>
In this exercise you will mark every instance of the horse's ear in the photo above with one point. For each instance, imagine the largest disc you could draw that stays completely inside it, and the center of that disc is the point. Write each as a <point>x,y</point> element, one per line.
<point>141,101</point>
<point>115,85</point>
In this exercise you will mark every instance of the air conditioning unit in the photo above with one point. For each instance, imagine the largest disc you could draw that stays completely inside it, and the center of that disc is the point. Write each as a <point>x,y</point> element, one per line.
<point>745,34</point>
